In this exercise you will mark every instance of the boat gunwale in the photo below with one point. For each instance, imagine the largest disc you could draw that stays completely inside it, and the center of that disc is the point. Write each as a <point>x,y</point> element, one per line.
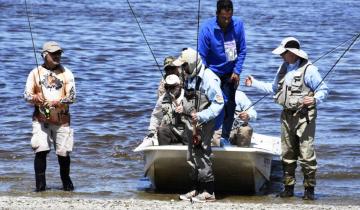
<point>214,149</point>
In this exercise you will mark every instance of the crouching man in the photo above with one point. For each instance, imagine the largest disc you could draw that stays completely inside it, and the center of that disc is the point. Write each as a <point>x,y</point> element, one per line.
<point>166,123</point>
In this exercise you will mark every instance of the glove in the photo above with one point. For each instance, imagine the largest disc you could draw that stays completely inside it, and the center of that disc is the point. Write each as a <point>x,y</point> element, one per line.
<point>151,134</point>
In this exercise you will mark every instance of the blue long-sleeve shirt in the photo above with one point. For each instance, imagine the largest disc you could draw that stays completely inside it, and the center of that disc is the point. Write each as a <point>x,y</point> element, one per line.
<point>223,53</point>
<point>210,86</point>
<point>312,79</point>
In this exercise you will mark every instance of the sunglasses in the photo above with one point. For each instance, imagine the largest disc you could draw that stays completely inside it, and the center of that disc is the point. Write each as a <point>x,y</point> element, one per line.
<point>185,67</point>
<point>170,87</point>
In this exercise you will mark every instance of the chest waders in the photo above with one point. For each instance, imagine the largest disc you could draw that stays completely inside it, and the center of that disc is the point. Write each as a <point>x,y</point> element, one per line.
<point>297,129</point>
<point>198,155</point>
<point>195,101</point>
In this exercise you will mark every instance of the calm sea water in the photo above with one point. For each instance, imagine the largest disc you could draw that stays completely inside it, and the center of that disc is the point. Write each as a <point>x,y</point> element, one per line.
<point>117,77</point>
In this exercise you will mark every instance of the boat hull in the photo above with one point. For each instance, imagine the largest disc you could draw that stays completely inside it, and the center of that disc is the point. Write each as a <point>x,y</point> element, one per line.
<point>236,169</point>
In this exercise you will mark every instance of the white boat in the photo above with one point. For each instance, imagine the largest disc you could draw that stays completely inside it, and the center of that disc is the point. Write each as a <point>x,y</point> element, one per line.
<point>236,169</point>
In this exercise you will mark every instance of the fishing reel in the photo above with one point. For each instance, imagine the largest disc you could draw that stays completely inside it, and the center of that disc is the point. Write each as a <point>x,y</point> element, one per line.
<point>196,137</point>
<point>45,111</point>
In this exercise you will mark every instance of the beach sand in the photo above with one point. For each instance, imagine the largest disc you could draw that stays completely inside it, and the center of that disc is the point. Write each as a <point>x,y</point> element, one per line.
<point>8,202</point>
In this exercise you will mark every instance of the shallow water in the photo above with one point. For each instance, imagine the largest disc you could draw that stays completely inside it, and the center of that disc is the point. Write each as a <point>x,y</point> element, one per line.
<point>117,77</point>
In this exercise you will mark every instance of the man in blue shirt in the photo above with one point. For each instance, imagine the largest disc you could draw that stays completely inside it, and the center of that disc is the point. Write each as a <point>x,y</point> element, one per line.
<point>298,88</point>
<point>223,49</point>
<point>202,103</point>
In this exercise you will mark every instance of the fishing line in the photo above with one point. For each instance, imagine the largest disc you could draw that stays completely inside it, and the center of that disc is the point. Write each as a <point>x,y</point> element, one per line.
<point>32,40</point>
<point>332,50</point>
<point>147,43</point>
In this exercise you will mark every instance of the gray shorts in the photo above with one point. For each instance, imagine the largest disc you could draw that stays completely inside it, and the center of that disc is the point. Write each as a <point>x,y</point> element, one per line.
<point>45,134</point>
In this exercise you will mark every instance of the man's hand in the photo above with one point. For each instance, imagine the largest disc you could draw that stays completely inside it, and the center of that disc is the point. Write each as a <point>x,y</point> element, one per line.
<point>151,134</point>
<point>194,117</point>
<point>179,109</point>
<point>244,116</point>
<point>38,99</point>
<point>249,81</point>
<point>235,78</point>
<point>309,100</point>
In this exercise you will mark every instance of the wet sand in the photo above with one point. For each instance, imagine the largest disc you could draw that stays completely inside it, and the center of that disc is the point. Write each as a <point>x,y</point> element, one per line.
<point>8,202</point>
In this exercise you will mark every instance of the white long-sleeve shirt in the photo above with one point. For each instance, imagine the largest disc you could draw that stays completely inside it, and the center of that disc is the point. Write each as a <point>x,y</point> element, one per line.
<point>243,103</point>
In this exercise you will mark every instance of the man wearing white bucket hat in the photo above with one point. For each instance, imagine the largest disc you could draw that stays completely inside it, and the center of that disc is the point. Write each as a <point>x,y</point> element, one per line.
<point>166,123</point>
<point>298,87</point>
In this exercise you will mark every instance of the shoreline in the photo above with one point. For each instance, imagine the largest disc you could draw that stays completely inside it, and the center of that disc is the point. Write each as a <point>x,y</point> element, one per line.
<point>23,202</point>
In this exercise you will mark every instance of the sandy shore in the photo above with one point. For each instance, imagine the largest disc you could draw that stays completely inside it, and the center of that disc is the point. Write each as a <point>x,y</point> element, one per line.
<point>8,202</point>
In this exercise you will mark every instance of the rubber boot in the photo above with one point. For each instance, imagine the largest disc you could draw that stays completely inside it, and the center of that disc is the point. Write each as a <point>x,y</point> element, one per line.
<point>287,192</point>
<point>40,182</point>
<point>40,168</point>
<point>309,193</point>
<point>64,163</point>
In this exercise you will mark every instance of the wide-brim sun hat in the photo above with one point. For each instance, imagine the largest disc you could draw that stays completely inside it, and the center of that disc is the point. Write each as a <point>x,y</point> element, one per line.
<point>291,44</point>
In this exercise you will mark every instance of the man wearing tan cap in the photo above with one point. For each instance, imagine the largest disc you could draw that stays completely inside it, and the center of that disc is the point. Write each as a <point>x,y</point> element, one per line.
<point>298,88</point>
<point>51,89</point>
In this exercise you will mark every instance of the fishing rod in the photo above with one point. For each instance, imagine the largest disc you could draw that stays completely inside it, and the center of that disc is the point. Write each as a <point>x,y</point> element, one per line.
<point>197,56</point>
<point>32,39</point>
<point>46,109</point>
<point>147,43</point>
<point>352,43</point>
<point>197,35</point>
<point>196,135</point>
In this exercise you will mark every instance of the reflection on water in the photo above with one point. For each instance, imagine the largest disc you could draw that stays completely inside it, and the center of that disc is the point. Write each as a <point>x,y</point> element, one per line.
<point>117,79</point>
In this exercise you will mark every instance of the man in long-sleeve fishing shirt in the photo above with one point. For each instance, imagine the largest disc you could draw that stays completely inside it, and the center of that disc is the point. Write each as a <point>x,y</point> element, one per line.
<point>202,103</point>
<point>51,89</point>
<point>298,87</point>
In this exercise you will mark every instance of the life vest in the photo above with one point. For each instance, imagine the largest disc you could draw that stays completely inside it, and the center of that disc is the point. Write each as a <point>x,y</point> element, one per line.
<point>194,100</point>
<point>175,121</point>
<point>291,97</point>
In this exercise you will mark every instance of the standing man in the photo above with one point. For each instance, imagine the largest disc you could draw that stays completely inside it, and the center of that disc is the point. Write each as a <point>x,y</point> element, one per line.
<point>298,87</point>
<point>223,49</point>
<point>202,103</point>
<point>51,89</point>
